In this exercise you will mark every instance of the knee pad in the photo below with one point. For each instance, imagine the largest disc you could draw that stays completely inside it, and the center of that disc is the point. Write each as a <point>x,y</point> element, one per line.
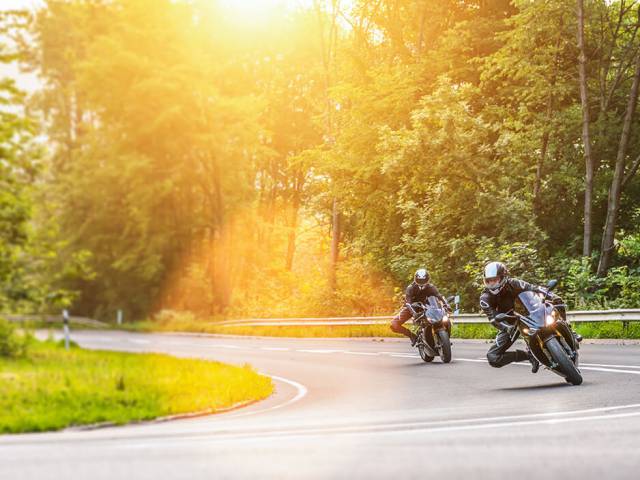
<point>493,360</point>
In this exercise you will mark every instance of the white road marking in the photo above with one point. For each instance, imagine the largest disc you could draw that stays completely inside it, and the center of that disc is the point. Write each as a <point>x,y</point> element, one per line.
<point>235,347</point>
<point>348,352</point>
<point>433,426</point>
<point>581,366</point>
<point>301,393</point>
<point>141,342</point>
<point>612,370</point>
<point>276,349</point>
<point>608,365</point>
<point>318,351</point>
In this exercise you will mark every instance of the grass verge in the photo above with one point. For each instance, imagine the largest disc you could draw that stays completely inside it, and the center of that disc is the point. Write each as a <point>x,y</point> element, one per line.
<point>54,388</point>
<point>482,331</point>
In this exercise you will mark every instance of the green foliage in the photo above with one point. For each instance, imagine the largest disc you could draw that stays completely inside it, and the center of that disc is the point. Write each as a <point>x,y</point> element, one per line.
<point>193,161</point>
<point>13,344</point>
<point>620,288</point>
<point>56,388</point>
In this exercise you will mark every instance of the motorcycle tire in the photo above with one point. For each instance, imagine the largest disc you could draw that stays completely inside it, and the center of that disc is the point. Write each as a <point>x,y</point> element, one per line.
<point>445,343</point>
<point>565,365</point>
<point>423,354</point>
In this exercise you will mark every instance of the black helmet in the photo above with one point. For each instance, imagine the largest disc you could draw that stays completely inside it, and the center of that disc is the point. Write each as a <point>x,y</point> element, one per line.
<point>495,276</point>
<point>421,277</point>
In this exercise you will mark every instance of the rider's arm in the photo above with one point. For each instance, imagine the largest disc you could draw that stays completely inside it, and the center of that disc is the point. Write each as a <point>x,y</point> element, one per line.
<point>439,296</point>
<point>486,304</point>
<point>518,286</point>
<point>409,294</point>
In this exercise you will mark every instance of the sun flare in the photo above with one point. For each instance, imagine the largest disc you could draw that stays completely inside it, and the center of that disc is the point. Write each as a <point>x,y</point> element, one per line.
<point>252,9</point>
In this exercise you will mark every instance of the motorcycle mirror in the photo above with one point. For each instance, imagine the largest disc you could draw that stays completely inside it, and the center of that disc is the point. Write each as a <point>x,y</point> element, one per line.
<point>456,299</point>
<point>450,299</point>
<point>552,284</point>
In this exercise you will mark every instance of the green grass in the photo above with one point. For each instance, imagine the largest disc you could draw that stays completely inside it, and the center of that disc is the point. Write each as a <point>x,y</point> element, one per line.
<point>481,331</point>
<point>608,330</point>
<point>53,388</point>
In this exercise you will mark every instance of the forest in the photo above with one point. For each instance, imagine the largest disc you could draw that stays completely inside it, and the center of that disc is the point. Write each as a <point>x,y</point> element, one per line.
<point>303,158</point>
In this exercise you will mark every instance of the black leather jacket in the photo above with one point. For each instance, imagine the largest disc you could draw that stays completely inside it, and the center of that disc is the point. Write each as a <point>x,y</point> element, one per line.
<point>504,301</point>
<point>415,294</point>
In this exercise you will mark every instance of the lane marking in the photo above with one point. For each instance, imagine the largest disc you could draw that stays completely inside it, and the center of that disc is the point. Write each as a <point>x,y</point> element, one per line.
<point>434,426</point>
<point>348,352</point>
<point>301,392</point>
<point>581,366</point>
<point>608,365</point>
<point>275,349</point>
<point>141,342</point>
<point>612,370</point>
<point>318,350</point>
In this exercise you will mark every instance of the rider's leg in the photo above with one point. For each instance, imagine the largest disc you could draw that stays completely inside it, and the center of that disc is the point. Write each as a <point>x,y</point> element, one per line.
<point>399,320</point>
<point>498,355</point>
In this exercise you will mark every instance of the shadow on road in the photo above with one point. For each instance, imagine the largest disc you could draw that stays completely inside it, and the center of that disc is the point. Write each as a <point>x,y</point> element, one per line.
<point>550,386</point>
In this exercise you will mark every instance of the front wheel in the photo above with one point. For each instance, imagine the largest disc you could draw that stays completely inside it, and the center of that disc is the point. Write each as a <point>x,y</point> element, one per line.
<point>445,344</point>
<point>565,365</point>
<point>423,354</point>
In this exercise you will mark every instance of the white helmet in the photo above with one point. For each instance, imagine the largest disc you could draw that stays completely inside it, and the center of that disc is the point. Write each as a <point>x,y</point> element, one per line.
<point>495,276</point>
<point>421,278</point>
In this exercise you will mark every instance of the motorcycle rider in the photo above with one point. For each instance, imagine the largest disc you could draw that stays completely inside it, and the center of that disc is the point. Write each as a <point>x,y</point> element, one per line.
<point>499,296</point>
<point>417,292</point>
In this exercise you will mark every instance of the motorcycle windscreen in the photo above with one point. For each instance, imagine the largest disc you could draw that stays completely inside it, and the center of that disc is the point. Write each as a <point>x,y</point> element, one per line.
<point>536,310</point>
<point>435,312</point>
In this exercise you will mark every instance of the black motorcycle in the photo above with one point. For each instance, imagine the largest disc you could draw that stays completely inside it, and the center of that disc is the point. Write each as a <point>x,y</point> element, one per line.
<point>547,334</point>
<point>434,329</point>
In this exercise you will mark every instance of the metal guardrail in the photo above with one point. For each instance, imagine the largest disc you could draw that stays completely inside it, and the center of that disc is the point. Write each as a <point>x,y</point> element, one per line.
<point>578,316</point>
<point>55,319</point>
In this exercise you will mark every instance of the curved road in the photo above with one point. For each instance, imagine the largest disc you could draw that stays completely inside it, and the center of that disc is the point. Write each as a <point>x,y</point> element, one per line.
<point>364,409</point>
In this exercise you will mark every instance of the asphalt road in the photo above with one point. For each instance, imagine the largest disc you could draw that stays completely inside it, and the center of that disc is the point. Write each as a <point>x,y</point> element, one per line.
<point>364,409</point>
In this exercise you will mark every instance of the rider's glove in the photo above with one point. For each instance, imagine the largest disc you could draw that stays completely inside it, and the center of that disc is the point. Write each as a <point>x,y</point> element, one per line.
<point>503,327</point>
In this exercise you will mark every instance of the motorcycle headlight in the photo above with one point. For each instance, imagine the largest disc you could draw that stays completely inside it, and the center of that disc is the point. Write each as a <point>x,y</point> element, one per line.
<point>445,318</point>
<point>550,319</point>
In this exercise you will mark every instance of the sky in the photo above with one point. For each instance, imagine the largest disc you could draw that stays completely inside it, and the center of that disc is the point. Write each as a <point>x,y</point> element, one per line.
<point>25,81</point>
<point>243,8</point>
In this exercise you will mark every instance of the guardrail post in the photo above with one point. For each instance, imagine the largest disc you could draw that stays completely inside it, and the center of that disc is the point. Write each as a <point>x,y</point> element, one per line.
<point>65,327</point>
<point>119,317</point>
<point>625,328</point>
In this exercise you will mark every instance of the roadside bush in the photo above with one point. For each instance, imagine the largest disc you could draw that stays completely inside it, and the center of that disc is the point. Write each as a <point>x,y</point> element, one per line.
<point>13,344</point>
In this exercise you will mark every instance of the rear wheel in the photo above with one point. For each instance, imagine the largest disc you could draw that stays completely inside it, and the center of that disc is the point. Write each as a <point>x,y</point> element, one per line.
<point>565,365</point>
<point>423,354</point>
<point>445,343</point>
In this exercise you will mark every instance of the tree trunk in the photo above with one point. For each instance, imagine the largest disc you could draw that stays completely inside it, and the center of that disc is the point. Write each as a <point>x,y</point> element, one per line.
<point>586,140</point>
<point>613,202</point>
<point>293,220</point>
<point>537,185</point>
<point>547,128</point>
<point>335,244</point>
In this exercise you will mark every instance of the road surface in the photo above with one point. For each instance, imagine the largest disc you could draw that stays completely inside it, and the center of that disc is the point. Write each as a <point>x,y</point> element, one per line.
<point>364,409</point>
